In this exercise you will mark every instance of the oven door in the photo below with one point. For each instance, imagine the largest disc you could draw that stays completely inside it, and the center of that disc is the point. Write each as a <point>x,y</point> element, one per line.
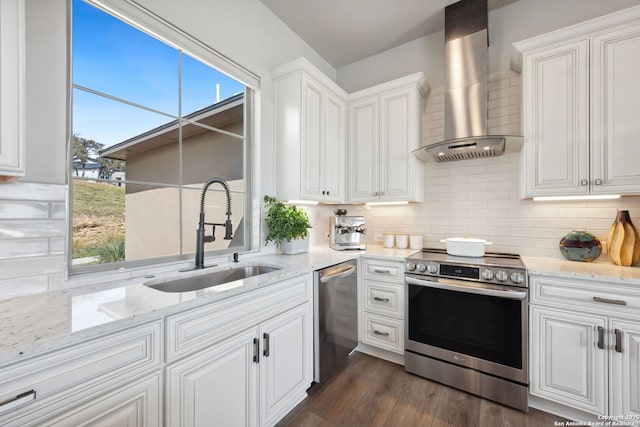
<point>483,327</point>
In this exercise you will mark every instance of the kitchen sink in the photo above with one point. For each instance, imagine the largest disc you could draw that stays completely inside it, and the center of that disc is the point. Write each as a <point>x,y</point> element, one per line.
<point>216,278</point>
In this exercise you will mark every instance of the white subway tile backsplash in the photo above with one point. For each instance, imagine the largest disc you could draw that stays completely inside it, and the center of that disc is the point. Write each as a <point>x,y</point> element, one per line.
<point>17,248</point>
<point>24,209</point>
<point>32,237</point>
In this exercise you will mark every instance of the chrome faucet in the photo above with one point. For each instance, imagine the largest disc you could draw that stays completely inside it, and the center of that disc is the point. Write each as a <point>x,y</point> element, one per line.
<point>201,237</point>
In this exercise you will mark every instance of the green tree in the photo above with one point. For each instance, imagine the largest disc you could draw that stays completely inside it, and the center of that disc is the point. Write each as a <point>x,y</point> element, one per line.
<point>87,149</point>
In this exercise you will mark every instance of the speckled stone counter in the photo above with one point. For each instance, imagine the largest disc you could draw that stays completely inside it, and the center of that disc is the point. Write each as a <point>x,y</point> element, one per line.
<point>35,324</point>
<point>600,269</point>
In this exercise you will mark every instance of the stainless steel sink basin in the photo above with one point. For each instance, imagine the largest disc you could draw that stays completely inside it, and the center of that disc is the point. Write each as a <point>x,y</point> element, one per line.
<point>215,278</point>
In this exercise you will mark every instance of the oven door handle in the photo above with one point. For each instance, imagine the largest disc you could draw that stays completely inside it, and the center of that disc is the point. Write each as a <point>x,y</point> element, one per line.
<point>517,295</point>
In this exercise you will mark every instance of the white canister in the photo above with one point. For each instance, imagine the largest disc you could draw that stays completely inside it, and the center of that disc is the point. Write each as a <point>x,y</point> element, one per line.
<point>415,241</point>
<point>388,240</point>
<point>402,241</point>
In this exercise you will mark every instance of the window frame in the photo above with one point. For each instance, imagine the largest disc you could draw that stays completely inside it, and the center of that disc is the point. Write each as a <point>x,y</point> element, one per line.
<point>146,21</point>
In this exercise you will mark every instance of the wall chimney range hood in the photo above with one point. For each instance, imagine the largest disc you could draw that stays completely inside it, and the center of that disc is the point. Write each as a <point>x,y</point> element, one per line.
<point>465,101</point>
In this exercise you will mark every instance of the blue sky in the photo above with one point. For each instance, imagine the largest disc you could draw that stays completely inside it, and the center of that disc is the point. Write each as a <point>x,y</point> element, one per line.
<point>111,57</point>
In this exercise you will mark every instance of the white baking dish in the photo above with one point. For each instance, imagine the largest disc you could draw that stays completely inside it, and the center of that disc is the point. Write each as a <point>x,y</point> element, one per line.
<point>465,246</point>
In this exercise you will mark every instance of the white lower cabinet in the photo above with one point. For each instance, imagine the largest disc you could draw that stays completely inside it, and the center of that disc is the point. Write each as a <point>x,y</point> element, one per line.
<point>381,307</point>
<point>585,346</point>
<point>114,380</point>
<point>248,378</point>
<point>568,366</point>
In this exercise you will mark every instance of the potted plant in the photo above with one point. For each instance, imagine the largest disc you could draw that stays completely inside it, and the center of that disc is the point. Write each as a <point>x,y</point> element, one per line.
<point>288,226</point>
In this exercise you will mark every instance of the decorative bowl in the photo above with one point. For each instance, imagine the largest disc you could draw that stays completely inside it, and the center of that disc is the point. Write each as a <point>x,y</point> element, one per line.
<point>580,246</point>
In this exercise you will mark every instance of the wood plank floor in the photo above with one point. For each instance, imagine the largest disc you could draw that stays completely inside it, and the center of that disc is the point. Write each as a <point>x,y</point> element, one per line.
<point>374,392</point>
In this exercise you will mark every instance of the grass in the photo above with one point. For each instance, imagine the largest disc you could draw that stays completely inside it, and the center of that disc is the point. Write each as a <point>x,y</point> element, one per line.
<point>97,199</point>
<point>98,221</point>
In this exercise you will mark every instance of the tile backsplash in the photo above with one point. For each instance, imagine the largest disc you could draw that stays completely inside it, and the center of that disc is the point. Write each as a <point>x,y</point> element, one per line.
<point>481,197</point>
<point>33,230</point>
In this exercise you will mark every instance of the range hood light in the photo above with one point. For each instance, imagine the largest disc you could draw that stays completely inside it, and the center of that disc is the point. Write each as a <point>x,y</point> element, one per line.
<point>571,198</point>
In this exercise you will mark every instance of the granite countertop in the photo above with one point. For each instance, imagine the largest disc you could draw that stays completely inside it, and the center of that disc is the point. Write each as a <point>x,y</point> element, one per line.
<point>35,324</point>
<point>38,323</point>
<point>601,269</point>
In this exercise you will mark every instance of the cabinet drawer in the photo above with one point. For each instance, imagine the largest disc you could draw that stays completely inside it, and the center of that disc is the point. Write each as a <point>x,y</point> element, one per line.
<point>593,295</point>
<point>54,380</point>
<point>204,326</point>
<point>384,298</point>
<point>383,332</point>
<point>377,269</point>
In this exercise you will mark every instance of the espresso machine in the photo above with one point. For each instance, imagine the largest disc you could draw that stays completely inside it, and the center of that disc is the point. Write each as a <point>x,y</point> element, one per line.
<point>346,232</point>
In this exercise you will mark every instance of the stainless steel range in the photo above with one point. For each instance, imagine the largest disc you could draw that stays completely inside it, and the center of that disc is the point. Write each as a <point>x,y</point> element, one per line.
<point>467,323</point>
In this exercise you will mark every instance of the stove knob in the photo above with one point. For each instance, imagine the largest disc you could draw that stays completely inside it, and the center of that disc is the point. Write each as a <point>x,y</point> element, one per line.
<point>487,274</point>
<point>517,278</point>
<point>502,276</point>
<point>432,269</point>
<point>411,266</point>
<point>421,267</point>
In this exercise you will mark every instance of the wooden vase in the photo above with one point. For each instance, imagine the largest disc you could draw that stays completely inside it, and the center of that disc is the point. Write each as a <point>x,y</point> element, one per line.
<point>623,243</point>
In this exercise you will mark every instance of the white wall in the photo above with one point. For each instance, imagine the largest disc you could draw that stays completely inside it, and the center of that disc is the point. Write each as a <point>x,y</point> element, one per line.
<point>515,22</point>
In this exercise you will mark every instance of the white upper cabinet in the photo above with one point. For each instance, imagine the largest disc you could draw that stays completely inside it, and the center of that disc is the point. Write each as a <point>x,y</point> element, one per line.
<point>580,105</point>
<point>314,159</point>
<point>385,125</point>
<point>12,87</point>
<point>310,135</point>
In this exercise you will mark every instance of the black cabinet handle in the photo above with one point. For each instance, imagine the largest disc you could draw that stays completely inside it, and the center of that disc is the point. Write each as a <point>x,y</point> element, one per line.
<point>256,350</point>
<point>618,333</point>
<point>600,337</point>
<point>265,352</point>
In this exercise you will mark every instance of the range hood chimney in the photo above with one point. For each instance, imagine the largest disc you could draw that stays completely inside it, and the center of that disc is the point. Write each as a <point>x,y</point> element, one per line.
<point>465,100</point>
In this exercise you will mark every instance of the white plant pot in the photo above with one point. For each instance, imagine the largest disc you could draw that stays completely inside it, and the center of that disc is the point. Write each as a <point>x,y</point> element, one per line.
<point>296,246</point>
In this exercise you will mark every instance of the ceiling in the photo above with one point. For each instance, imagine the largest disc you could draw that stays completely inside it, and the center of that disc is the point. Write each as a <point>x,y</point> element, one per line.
<point>346,31</point>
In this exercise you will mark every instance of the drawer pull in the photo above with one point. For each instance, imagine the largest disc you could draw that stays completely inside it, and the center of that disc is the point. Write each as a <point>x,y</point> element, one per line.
<point>381,299</point>
<point>610,301</point>
<point>377,270</point>
<point>600,337</point>
<point>20,399</point>
<point>383,334</point>
<point>618,333</point>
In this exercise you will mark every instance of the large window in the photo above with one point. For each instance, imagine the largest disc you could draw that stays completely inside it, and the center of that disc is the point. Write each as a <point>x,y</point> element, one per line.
<point>151,123</point>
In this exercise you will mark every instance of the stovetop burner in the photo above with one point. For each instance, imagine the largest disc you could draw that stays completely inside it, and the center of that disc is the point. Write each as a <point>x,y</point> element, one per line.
<point>493,267</point>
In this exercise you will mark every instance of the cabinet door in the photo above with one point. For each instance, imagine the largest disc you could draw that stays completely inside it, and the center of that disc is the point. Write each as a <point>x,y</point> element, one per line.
<point>615,103</point>
<point>397,140</point>
<point>312,140</point>
<point>286,362</point>
<point>567,366</point>
<point>138,404</point>
<point>12,87</point>
<point>364,183</point>
<point>334,149</point>
<point>625,368</point>
<point>556,121</point>
<point>218,384</point>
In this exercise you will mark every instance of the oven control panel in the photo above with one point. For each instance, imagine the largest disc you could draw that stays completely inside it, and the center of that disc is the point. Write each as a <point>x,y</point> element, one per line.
<point>487,274</point>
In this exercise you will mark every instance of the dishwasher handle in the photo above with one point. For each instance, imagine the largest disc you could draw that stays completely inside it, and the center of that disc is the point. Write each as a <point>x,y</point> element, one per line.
<point>337,273</point>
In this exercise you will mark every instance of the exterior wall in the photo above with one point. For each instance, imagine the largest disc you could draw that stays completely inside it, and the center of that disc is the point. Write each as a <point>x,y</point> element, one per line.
<point>149,213</point>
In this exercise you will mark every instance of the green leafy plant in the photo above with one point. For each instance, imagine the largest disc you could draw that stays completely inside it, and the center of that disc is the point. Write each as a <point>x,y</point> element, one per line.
<point>285,222</point>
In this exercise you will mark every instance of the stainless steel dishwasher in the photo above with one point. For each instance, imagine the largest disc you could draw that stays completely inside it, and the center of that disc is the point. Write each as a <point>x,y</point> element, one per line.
<point>335,317</point>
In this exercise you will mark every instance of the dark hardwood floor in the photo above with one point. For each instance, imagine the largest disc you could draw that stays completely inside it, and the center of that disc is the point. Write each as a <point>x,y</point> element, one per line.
<point>374,392</point>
